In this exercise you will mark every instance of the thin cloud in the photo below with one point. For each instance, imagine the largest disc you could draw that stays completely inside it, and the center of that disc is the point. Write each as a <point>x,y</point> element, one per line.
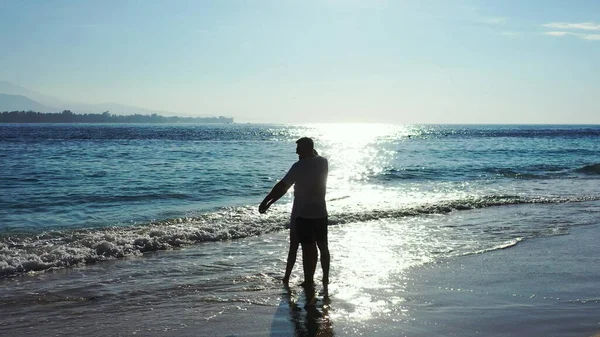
<point>557,33</point>
<point>574,26</point>
<point>589,37</point>
<point>574,29</point>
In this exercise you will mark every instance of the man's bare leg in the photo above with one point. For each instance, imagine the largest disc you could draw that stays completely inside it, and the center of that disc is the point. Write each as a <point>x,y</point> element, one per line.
<point>291,259</point>
<point>309,262</point>
<point>325,260</point>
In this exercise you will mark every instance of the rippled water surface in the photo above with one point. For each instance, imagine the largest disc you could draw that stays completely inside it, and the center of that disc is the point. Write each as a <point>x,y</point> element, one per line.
<point>72,194</point>
<point>172,210</point>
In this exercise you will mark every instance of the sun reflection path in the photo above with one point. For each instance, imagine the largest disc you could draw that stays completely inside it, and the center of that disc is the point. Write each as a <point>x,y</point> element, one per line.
<point>357,152</point>
<point>370,262</point>
<point>371,254</point>
<point>359,156</point>
<point>364,260</point>
<point>360,133</point>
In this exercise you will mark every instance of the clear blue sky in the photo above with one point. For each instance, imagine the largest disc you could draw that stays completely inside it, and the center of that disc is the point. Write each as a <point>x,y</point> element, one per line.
<point>428,61</point>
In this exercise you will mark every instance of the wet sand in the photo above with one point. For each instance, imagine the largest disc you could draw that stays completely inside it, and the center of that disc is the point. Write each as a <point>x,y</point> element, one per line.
<point>541,287</point>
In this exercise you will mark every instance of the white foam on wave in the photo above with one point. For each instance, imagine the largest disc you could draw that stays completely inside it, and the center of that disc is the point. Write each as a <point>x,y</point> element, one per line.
<point>503,245</point>
<point>22,253</point>
<point>447,206</point>
<point>51,250</point>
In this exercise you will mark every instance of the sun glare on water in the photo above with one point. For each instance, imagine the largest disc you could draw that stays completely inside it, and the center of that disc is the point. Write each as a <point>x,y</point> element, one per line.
<point>369,187</point>
<point>356,151</point>
<point>369,259</point>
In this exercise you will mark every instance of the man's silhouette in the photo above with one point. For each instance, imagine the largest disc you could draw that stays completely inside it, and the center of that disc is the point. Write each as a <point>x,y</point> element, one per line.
<point>309,213</point>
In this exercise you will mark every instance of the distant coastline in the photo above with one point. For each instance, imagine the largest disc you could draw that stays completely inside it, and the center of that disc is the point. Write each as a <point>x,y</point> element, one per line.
<point>69,117</point>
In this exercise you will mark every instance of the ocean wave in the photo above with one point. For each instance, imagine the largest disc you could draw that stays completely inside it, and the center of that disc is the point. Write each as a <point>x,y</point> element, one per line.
<point>589,169</point>
<point>510,173</point>
<point>432,174</point>
<point>197,132</point>
<point>504,245</point>
<point>522,131</point>
<point>444,207</point>
<point>67,200</point>
<point>528,172</point>
<point>57,249</point>
<point>23,253</point>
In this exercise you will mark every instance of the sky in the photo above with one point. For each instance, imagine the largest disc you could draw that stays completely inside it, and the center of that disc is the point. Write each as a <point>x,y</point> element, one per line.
<point>284,61</point>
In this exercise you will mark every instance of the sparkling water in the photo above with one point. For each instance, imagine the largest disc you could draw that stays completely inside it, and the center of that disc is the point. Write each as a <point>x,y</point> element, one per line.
<point>172,209</point>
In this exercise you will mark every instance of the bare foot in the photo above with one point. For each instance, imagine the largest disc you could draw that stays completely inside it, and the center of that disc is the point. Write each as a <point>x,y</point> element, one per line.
<point>311,298</point>
<point>324,292</point>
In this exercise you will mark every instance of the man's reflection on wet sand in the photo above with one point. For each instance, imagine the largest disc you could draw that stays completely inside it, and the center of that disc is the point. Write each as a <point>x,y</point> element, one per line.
<point>307,321</point>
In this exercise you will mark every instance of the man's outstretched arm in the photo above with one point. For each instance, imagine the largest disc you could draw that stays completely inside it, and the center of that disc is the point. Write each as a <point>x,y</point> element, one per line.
<point>277,192</point>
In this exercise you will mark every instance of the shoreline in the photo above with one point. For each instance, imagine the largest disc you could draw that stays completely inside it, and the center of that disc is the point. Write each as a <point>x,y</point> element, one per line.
<point>545,286</point>
<point>540,287</point>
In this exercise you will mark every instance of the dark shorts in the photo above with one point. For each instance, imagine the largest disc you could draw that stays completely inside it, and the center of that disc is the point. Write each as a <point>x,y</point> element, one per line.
<point>311,230</point>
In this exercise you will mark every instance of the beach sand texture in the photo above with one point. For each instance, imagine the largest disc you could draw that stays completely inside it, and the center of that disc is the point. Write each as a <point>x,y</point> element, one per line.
<point>545,286</point>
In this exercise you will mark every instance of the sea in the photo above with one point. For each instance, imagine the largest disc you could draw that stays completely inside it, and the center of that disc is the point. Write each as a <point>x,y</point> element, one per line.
<point>98,220</point>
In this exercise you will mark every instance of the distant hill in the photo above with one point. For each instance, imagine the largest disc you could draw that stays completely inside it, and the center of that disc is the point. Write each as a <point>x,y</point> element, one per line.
<point>20,102</point>
<point>21,105</point>
<point>105,117</point>
<point>53,104</point>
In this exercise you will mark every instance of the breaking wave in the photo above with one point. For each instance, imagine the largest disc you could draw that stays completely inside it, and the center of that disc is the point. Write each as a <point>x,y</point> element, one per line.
<point>22,253</point>
<point>528,172</point>
<point>589,169</point>
<point>504,245</point>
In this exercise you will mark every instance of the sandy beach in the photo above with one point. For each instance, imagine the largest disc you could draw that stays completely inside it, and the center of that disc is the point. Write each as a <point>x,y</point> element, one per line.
<point>541,287</point>
<point>545,286</point>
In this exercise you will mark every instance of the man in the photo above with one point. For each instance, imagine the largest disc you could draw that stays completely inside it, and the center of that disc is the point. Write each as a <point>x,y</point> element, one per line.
<point>309,212</point>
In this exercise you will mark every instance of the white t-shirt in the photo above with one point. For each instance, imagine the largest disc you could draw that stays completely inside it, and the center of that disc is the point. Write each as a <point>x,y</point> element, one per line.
<point>309,177</point>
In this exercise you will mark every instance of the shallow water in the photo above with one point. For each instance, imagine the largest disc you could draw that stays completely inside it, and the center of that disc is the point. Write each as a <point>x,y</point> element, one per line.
<point>373,282</point>
<point>170,212</point>
<point>75,194</point>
